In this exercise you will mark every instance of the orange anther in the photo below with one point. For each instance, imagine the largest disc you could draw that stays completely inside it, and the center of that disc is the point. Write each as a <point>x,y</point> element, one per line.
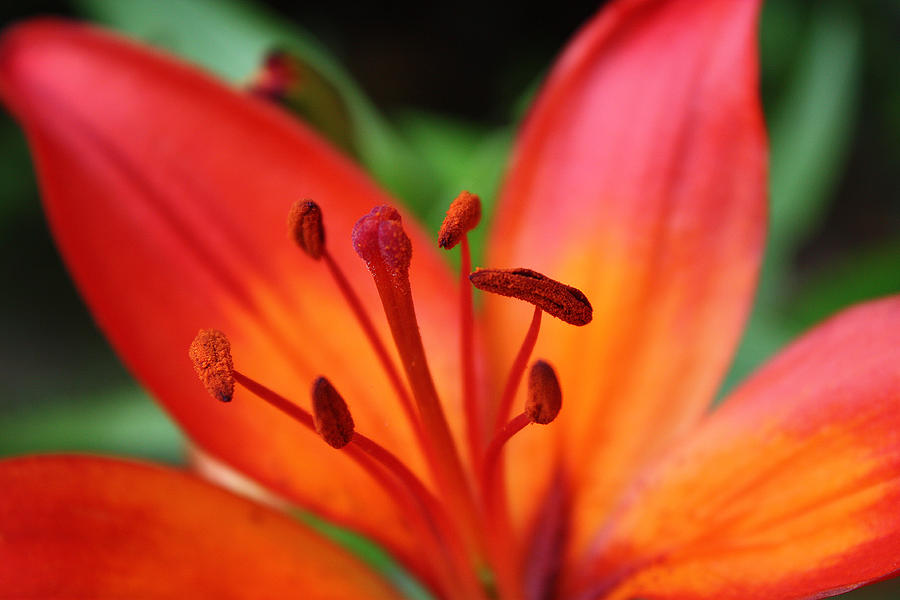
<point>210,353</point>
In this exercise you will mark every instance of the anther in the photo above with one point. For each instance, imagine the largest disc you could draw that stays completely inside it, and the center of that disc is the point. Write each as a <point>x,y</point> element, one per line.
<point>544,396</point>
<point>463,215</point>
<point>562,301</point>
<point>332,417</point>
<point>210,352</point>
<point>378,237</point>
<point>541,406</point>
<point>305,227</point>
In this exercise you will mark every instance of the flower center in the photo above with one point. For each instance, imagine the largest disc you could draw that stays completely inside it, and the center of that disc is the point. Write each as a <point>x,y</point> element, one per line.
<point>465,519</point>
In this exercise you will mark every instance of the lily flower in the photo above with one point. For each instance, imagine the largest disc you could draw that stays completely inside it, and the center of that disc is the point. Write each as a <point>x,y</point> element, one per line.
<point>581,463</point>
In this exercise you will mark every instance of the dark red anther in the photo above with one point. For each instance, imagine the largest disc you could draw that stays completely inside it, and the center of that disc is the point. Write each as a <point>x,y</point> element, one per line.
<point>305,227</point>
<point>544,396</point>
<point>332,417</point>
<point>562,301</point>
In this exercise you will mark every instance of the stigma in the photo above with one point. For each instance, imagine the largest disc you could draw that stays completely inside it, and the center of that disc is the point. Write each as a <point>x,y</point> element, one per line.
<point>381,242</point>
<point>460,512</point>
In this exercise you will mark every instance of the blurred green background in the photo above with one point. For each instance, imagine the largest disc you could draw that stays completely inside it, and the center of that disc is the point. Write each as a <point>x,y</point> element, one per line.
<point>427,98</point>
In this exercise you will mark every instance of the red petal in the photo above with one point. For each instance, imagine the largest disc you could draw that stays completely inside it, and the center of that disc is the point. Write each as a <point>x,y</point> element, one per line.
<point>77,527</point>
<point>168,195</point>
<point>791,490</point>
<point>639,178</point>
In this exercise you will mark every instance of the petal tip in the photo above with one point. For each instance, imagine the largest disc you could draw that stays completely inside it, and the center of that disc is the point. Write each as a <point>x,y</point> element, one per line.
<point>18,45</point>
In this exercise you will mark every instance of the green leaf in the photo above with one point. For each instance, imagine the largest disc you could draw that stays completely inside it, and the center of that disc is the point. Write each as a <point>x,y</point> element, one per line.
<point>371,553</point>
<point>122,422</point>
<point>461,156</point>
<point>809,133</point>
<point>810,128</point>
<point>231,38</point>
<point>861,275</point>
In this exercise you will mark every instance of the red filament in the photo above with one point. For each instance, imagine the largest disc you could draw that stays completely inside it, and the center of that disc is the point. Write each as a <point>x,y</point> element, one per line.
<point>463,517</point>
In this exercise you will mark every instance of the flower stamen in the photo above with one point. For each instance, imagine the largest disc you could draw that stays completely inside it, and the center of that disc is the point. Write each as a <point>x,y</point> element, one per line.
<point>385,468</point>
<point>557,299</point>
<point>517,370</point>
<point>306,227</point>
<point>331,415</point>
<point>571,306</point>
<point>333,421</point>
<point>210,353</point>
<point>544,395</point>
<point>276,400</point>
<point>541,406</point>
<point>464,215</point>
<point>472,533</point>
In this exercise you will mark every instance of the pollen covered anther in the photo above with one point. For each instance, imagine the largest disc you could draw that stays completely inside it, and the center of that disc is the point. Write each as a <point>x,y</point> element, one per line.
<point>210,353</point>
<point>544,396</point>
<point>305,227</point>
<point>463,216</point>
<point>332,417</point>
<point>562,301</point>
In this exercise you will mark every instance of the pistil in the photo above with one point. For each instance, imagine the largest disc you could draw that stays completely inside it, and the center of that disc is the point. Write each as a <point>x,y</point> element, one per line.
<point>380,241</point>
<point>306,228</point>
<point>472,536</point>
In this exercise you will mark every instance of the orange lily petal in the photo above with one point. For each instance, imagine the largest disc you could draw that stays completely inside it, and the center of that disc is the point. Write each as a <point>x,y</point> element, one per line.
<point>79,527</point>
<point>639,178</point>
<point>790,490</point>
<point>168,195</point>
